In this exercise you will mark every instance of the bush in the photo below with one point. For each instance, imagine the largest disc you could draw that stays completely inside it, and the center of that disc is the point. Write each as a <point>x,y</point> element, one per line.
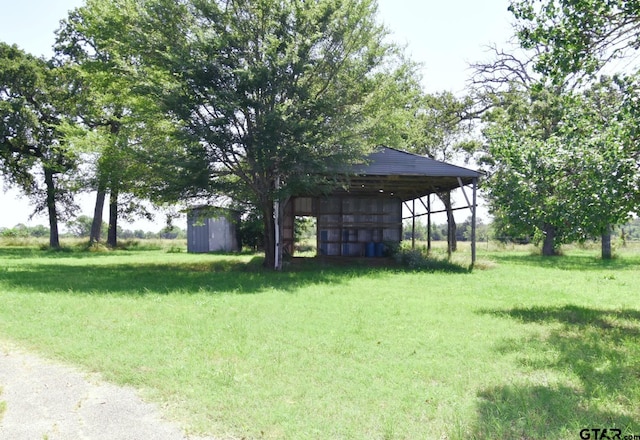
<point>15,232</point>
<point>419,259</point>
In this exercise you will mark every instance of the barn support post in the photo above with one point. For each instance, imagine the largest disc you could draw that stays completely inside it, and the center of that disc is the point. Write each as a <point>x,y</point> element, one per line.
<point>473,222</point>
<point>413,225</point>
<point>412,210</point>
<point>428,208</point>
<point>429,223</point>
<point>472,207</point>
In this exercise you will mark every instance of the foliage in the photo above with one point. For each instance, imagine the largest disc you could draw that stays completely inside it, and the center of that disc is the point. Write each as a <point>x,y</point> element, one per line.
<point>280,95</point>
<point>21,230</point>
<point>446,125</point>
<point>439,231</point>
<point>565,158</point>
<point>420,232</point>
<point>420,259</point>
<point>251,230</point>
<point>630,231</point>
<point>445,132</point>
<point>34,155</point>
<point>133,149</point>
<point>563,163</point>
<point>578,36</point>
<point>304,228</point>
<point>80,226</point>
<point>464,230</point>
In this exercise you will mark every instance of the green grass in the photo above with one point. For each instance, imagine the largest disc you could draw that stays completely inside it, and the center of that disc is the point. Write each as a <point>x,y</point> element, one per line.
<point>529,348</point>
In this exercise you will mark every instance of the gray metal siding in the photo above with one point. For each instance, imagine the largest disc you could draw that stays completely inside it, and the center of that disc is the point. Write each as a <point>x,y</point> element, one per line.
<point>197,237</point>
<point>222,236</point>
<point>210,234</point>
<point>348,226</point>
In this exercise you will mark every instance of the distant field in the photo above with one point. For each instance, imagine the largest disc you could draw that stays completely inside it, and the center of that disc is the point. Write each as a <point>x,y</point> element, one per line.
<point>522,348</point>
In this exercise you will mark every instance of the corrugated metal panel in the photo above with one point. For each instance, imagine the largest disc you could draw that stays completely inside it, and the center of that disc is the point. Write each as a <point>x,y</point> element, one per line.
<point>206,234</point>
<point>222,235</point>
<point>198,236</point>
<point>348,224</point>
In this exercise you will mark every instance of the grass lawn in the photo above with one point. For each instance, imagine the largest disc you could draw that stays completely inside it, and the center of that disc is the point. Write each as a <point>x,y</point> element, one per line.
<point>528,348</point>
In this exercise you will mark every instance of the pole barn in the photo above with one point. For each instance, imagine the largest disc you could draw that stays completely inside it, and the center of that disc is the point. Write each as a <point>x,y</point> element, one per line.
<point>365,216</point>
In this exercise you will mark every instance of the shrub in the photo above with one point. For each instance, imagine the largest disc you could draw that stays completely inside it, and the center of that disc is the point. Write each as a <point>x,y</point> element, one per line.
<point>419,259</point>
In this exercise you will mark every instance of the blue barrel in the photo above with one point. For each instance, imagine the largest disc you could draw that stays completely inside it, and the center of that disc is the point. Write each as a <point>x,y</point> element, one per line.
<point>370,250</point>
<point>379,249</point>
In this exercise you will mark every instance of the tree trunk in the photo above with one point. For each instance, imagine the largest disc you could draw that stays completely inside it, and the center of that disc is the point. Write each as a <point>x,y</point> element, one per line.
<point>112,235</point>
<point>269,235</point>
<point>548,246</point>
<point>606,243</point>
<point>54,236</point>
<point>452,242</point>
<point>96,225</point>
<point>112,232</point>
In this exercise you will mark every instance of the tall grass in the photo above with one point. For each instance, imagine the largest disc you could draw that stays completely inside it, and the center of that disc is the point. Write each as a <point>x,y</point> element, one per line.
<point>530,348</point>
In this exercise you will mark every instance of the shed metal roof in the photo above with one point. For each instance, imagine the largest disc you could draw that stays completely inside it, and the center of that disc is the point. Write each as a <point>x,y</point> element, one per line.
<point>389,161</point>
<point>405,175</point>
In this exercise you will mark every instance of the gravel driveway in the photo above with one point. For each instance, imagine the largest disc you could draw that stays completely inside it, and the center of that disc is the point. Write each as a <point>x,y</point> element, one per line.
<point>49,401</point>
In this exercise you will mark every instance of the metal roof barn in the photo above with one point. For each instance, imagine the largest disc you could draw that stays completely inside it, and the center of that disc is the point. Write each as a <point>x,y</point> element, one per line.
<point>365,215</point>
<point>407,175</point>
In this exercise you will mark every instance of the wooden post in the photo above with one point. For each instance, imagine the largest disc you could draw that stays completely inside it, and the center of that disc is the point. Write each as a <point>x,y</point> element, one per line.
<point>413,225</point>
<point>429,223</point>
<point>473,222</point>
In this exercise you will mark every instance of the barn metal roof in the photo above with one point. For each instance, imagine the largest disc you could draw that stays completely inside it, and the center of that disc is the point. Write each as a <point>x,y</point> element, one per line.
<point>405,175</point>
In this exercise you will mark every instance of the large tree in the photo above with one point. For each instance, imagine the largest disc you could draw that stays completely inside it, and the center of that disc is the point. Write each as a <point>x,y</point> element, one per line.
<point>579,36</point>
<point>278,93</point>
<point>526,158</point>
<point>564,178</point>
<point>34,155</point>
<point>133,148</point>
<point>571,41</point>
<point>602,132</point>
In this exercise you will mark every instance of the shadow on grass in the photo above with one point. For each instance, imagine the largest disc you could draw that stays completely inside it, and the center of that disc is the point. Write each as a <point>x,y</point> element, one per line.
<point>568,262</point>
<point>224,275</point>
<point>595,352</point>
<point>424,265</point>
<point>80,253</point>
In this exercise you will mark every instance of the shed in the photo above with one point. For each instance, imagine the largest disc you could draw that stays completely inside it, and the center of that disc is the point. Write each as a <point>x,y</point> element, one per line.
<point>365,215</point>
<point>212,230</point>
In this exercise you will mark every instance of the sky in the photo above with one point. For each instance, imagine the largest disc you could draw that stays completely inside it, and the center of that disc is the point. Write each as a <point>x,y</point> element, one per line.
<point>443,36</point>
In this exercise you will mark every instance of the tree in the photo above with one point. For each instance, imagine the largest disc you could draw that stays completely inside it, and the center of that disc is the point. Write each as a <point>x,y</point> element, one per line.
<point>605,178</point>
<point>521,190</point>
<point>133,147</point>
<point>446,125</point>
<point>578,36</point>
<point>33,98</point>
<point>567,179</point>
<point>81,226</point>
<point>569,42</point>
<point>277,93</point>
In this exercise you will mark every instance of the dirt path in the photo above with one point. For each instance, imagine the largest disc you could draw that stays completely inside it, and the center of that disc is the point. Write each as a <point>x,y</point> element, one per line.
<point>48,401</point>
